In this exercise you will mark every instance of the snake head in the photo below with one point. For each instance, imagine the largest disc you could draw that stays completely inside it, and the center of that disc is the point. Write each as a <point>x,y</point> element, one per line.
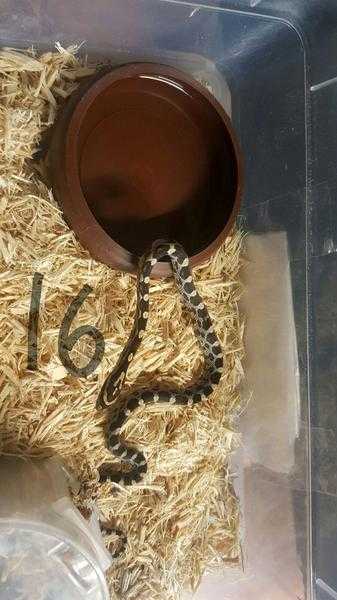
<point>100,402</point>
<point>104,397</point>
<point>110,390</point>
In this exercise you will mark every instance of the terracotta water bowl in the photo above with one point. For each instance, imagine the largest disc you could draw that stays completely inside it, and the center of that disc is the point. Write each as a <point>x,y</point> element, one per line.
<point>145,152</point>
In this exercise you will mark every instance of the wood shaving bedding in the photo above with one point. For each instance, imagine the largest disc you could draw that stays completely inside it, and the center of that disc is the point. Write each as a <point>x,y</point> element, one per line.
<point>184,518</point>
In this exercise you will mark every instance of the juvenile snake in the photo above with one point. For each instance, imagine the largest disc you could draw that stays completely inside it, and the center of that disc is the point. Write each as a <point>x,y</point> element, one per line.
<point>188,396</point>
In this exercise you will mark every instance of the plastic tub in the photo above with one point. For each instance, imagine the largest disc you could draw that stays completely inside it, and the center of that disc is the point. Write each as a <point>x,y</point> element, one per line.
<point>272,64</point>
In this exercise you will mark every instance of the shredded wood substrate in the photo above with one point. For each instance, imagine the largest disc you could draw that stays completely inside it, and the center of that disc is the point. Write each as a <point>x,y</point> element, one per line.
<point>183,519</point>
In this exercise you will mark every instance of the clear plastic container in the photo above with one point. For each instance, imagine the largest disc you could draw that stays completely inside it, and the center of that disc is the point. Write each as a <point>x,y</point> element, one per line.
<point>272,63</point>
<point>47,549</point>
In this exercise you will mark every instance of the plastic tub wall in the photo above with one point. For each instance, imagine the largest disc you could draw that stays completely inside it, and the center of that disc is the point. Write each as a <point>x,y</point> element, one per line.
<point>272,63</point>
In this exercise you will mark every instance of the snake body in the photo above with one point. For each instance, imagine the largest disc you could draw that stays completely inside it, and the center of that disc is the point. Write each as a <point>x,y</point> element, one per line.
<point>188,396</point>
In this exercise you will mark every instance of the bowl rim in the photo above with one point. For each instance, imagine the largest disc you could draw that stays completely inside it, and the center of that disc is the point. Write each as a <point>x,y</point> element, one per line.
<point>79,216</point>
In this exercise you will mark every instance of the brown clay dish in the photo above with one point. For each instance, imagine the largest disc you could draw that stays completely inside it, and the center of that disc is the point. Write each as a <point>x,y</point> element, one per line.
<point>144,152</point>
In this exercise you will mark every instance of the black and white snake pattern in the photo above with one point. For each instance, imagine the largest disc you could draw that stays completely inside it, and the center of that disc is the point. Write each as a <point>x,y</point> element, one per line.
<point>189,395</point>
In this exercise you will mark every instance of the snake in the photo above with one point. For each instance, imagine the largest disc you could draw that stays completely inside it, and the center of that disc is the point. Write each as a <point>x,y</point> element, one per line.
<point>190,395</point>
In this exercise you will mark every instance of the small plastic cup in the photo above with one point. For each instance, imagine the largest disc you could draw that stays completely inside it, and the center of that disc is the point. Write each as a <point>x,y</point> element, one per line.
<point>48,551</point>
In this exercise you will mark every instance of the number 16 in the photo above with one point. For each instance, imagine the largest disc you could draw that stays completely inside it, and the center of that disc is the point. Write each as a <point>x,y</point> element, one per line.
<point>66,340</point>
